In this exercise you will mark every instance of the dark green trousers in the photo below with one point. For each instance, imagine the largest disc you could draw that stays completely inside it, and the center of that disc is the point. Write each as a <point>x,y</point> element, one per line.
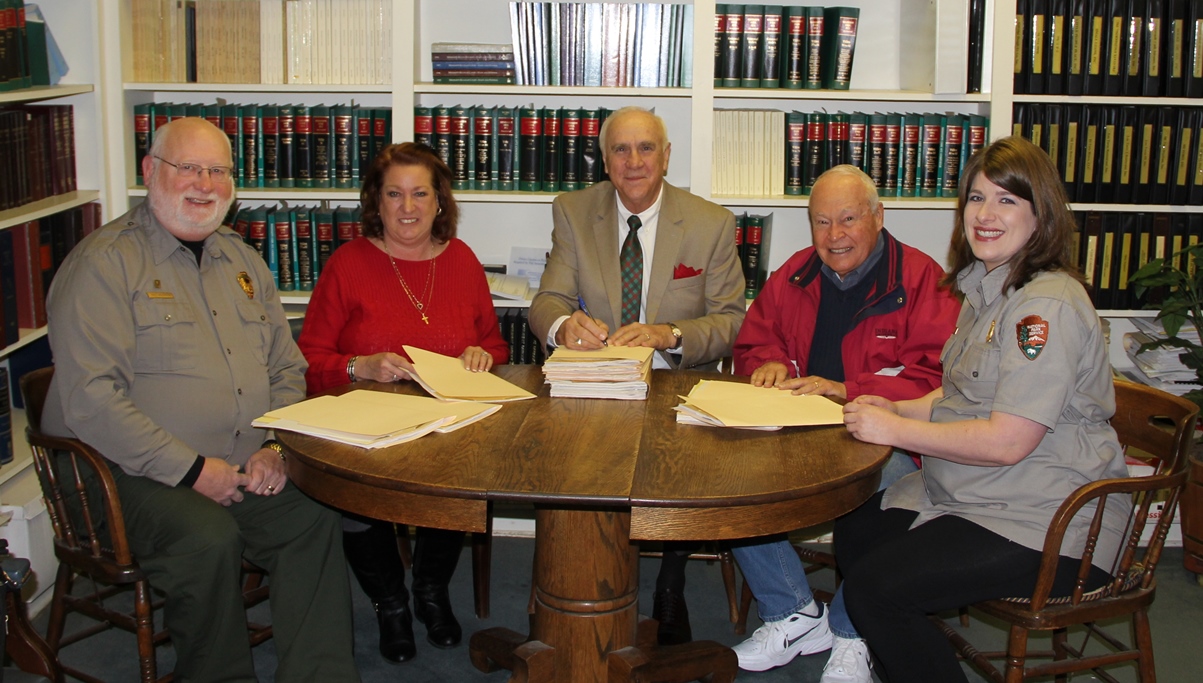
<point>191,549</point>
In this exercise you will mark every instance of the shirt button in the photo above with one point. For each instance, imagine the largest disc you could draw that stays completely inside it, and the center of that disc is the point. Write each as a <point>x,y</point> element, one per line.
<point>238,432</point>
<point>214,312</point>
<point>167,317</point>
<point>228,352</point>
<point>975,373</point>
<point>240,392</point>
<point>899,299</point>
<point>263,317</point>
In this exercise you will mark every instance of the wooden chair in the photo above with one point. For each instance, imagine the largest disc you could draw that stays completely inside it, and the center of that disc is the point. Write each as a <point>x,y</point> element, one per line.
<point>90,540</point>
<point>1140,418</point>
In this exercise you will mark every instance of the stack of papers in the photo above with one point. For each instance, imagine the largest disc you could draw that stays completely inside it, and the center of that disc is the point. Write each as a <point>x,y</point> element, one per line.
<point>714,403</point>
<point>444,377</point>
<point>1162,364</point>
<point>373,419</point>
<point>620,372</point>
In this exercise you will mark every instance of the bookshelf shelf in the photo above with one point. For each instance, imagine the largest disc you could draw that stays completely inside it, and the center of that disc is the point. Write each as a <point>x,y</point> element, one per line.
<point>46,207</point>
<point>285,193</point>
<point>1133,208</point>
<point>48,92</point>
<point>1100,99</point>
<point>28,336</point>
<point>850,95</point>
<point>295,297</point>
<point>794,201</point>
<point>258,87</point>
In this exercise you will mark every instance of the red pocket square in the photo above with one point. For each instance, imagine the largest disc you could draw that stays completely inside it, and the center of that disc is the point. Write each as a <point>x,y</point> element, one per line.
<point>683,271</point>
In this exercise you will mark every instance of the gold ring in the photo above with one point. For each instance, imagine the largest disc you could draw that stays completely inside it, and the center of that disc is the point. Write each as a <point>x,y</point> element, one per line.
<point>271,488</point>
<point>816,385</point>
<point>647,336</point>
<point>578,342</point>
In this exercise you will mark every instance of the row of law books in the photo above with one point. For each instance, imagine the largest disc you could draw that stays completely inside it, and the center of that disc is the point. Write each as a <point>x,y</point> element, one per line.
<point>752,236</point>
<point>37,153</point>
<point>30,254</point>
<point>642,45</point>
<point>472,63</point>
<point>282,145</point>
<point>774,46</point>
<point>23,58</point>
<point>506,148</point>
<point>297,241</point>
<point>516,331</point>
<point>328,42</point>
<point>1120,154</point>
<point>1137,48</point>
<point>1111,246</point>
<point>906,155</point>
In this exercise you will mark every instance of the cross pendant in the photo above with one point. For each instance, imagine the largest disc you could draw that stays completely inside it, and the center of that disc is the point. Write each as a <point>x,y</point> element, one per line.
<point>425,319</point>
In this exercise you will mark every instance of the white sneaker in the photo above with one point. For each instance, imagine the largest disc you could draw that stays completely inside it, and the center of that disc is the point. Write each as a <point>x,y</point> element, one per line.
<point>849,662</point>
<point>778,642</point>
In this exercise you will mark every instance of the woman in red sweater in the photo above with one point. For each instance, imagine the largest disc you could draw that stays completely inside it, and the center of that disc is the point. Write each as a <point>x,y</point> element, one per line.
<point>408,280</point>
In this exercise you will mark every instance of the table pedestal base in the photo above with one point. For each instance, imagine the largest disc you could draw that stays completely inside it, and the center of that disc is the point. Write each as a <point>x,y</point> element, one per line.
<point>585,627</point>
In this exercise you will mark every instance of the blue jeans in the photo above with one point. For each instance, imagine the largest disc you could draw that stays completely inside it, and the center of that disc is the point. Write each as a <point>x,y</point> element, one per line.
<point>778,579</point>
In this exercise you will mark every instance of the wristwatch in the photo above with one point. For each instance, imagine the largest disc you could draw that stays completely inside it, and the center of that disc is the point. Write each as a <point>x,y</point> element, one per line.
<point>275,446</point>
<point>677,334</point>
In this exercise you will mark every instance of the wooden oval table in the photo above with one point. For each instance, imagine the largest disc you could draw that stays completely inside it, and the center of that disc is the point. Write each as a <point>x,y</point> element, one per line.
<point>601,474</point>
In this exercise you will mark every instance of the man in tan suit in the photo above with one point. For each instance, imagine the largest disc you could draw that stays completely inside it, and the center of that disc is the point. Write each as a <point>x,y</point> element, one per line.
<point>690,302</point>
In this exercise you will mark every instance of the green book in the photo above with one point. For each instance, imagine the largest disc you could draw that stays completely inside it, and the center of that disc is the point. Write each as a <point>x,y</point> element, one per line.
<point>252,148</point>
<point>814,160</point>
<point>953,137</point>
<point>342,163</point>
<point>530,150</point>
<point>143,132</point>
<point>875,156</point>
<point>270,252</point>
<point>732,38</point>
<point>839,46</point>
<point>363,141</point>
<point>908,156</point>
<point>815,27</point>
<point>197,110</point>
<point>551,150</point>
<point>570,149</point>
<point>423,126</point>
<point>323,238</point>
<point>461,148</point>
<point>858,134</point>
<point>751,52</point>
<point>303,146</point>
<point>930,137</point>
<point>484,151</point>
<point>39,61</point>
<point>306,249</point>
<point>720,39</point>
<point>323,147</point>
<point>286,249</point>
<point>271,146</point>
<point>795,146</point>
<point>231,123</point>
<point>286,161</point>
<point>893,138</point>
<point>507,148</point>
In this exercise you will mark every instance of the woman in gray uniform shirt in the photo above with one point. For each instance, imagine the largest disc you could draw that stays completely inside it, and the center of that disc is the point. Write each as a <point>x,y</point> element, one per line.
<point>1019,422</point>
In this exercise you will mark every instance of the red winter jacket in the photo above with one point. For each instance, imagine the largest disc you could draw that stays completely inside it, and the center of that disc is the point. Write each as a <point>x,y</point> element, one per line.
<point>903,324</point>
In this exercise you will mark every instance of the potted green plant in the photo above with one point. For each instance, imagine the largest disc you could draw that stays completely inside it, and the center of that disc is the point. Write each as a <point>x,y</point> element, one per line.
<point>1179,299</point>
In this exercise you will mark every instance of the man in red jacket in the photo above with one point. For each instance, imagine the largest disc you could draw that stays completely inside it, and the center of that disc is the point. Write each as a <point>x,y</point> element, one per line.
<point>882,320</point>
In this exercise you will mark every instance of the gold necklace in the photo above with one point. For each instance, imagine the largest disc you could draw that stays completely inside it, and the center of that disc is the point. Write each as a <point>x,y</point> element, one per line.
<point>427,291</point>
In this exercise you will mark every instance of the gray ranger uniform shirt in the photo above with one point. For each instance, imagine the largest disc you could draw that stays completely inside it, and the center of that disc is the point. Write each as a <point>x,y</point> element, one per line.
<point>157,360</point>
<point>1037,353</point>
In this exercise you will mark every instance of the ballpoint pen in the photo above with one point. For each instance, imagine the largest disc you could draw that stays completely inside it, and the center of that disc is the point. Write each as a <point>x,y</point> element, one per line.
<point>585,309</point>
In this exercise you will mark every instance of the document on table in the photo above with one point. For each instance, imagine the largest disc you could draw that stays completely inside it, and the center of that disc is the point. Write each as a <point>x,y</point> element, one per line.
<point>617,372</point>
<point>737,404</point>
<point>446,378</point>
<point>373,419</point>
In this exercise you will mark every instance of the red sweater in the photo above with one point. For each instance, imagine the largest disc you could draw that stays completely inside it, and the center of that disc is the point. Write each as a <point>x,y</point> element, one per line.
<point>359,308</point>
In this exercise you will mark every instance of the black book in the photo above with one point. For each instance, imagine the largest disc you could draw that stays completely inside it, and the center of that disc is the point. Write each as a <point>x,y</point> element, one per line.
<point>1077,39</point>
<point>858,136</point>
<point>1164,135</point>
<point>322,145</point>
<point>1127,246</point>
<point>720,41</point>
<point>570,149</point>
<point>1107,256</point>
<point>1020,124</point>
<point>251,172</point>
<point>6,419</point>
<point>732,37</point>
<point>442,133</point>
<point>930,138</point>
<point>1148,137</point>
<point>256,232</point>
<point>816,27</point>
<point>286,154</point>
<point>271,146</point>
<point>530,149</point>
<point>306,249</point>
<point>793,63</point>
<point>1195,173</point>
<point>1155,49</point>
<point>1177,38</point>
<point>344,146</point>
<point>1193,62</point>
<point>815,160</point>
<point>1057,46</point>
<point>303,147</point>
<point>771,46</point>
<point>837,139</point>
<point>382,129</point>
<point>1053,133</point>
<point>912,126</point>
<point>8,288</point>
<point>1114,66</point>
<point>795,149</point>
<point>424,126</point>
<point>977,37</point>
<point>590,156</point>
<point>1094,62</point>
<point>750,48</point>
<point>1181,162</point>
<point>893,149</point>
<point>875,154</point>
<point>1127,156</point>
<point>506,141</point>
<point>1134,48</point>
<point>461,153</point>
<point>286,249</point>
<point>485,155</point>
<point>1091,248</point>
<point>323,233</point>
<point>363,139</point>
<point>1071,146</point>
<point>1023,46</point>
<point>1036,43</point>
<point>1099,182</point>
<point>550,178</point>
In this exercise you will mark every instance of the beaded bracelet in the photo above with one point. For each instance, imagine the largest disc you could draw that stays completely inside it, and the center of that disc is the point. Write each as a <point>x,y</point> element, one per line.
<point>351,368</point>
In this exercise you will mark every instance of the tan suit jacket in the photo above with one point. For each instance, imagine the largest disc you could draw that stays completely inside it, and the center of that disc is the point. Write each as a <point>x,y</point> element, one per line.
<point>695,233</point>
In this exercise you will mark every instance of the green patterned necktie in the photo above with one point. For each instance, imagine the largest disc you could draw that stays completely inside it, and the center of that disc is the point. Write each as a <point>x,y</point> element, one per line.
<point>631,259</point>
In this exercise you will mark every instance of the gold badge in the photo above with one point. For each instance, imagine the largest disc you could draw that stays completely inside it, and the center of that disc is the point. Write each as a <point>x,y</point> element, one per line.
<point>244,281</point>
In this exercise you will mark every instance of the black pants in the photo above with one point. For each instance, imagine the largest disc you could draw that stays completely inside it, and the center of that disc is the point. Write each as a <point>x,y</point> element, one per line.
<point>895,576</point>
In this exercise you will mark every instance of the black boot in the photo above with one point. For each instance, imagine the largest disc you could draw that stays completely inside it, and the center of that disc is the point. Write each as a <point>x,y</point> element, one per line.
<point>376,563</point>
<point>668,603</point>
<point>436,553</point>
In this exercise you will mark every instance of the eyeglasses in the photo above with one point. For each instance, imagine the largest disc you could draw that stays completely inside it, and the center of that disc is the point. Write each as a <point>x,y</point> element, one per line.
<point>218,174</point>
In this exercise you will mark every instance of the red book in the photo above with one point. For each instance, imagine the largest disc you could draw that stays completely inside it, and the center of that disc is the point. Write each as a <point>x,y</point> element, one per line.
<point>27,258</point>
